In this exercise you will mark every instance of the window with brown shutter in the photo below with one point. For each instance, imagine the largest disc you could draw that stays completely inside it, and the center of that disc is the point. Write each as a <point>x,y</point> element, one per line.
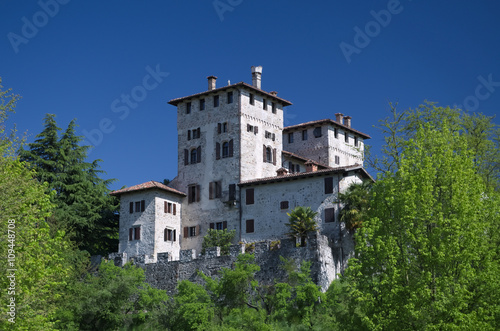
<point>137,233</point>
<point>165,235</point>
<point>165,208</point>
<point>211,190</point>
<point>249,196</point>
<point>328,185</point>
<point>130,234</point>
<point>198,193</point>
<point>137,206</point>
<point>255,129</point>
<point>249,226</point>
<point>175,205</point>
<point>329,215</point>
<point>274,156</point>
<point>218,189</point>
<point>186,157</point>
<point>264,153</point>
<point>169,208</point>
<point>186,232</point>
<point>191,193</point>
<point>174,236</point>
<point>231,148</point>
<point>131,207</point>
<point>217,151</point>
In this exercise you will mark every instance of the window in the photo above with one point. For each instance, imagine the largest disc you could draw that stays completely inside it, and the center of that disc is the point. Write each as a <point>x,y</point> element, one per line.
<point>137,206</point>
<point>336,133</point>
<point>269,156</point>
<point>202,104</point>
<point>218,225</point>
<point>250,226</point>
<point>291,167</point>
<point>191,231</point>
<point>337,159</point>
<point>193,193</point>
<point>167,207</point>
<point>249,196</point>
<point>249,128</point>
<point>270,135</point>
<point>224,127</point>
<point>273,105</point>
<point>304,134</point>
<point>189,134</point>
<point>252,100</point>
<point>317,132</point>
<point>356,141</point>
<point>230,97</point>
<point>134,233</point>
<point>290,137</point>
<point>346,137</point>
<point>216,101</point>
<point>188,108</point>
<point>329,215</point>
<point>194,156</point>
<point>328,185</point>
<point>196,133</point>
<point>283,205</point>
<point>232,192</point>
<point>264,104</point>
<point>215,190</point>
<point>140,206</point>
<point>225,149</point>
<point>169,235</point>
<point>131,207</point>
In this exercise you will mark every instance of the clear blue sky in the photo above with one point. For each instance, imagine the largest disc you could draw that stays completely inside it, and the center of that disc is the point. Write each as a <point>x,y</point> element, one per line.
<point>77,58</point>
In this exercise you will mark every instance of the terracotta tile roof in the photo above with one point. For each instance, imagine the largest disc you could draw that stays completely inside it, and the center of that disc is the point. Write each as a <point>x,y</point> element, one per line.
<point>302,175</point>
<point>146,186</point>
<point>325,121</point>
<point>176,101</point>
<point>304,159</point>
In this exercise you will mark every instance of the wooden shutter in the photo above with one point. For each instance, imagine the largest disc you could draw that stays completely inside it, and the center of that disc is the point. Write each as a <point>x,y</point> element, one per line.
<point>212,226</point>
<point>165,235</point>
<point>329,215</point>
<point>198,154</point>
<point>186,157</point>
<point>197,230</point>
<point>274,156</point>
<point>186,232</point>
<point>249,196</point>
<point>218,189</point>
<point>231,148</point>
<point>224,225</point>
<point>175,205</point>
<point>255,129</point>
<point>211,190</point>
<point>328,185</point>
<point>249,226</point>
<point>197,193</point>
<point>219,128</point>
<point>131,207</point>
<point>189,134</point>
<point>217,151</point>
<point>198,131</point>
<point>264,153</point>
<point>130,234</point>
<point>232,191</point>
<point>165,207</point>
<point>137,233</point>
<point>143,205</point>
<point>175,234</point>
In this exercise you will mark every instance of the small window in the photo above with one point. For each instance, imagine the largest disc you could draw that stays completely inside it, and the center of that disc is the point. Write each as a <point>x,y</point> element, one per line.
<point>249,196</point>
<point>219,226</point>
<point>188,108</point>
<point>215,190</point>
<point>337,159</point>
<point>336,133</point>
<point>189,134</point>
<point>283,205</point>
<point>304,134</point>
<point>194,156</point>
<point>356,141</point>
<point>131,207</point>
<point>224,127</point>
<point>192,231</point>
<point>137,233</point>
<point>202,104</point>
<point>249,226</point>
<point>169,235</point>
<point>290,137</point>
<point>291,167</point>
<point>252,100</point>
<point>329,215</point>
<point>193,193</point>
<point>317,132</point>
<point>273,105</point>
<point>232,192</point>
<point>225,149</point>
<point>216,101</point>
<point>249,128</point>
<point>269,155</point>
<point>346,137</point>
<point>328,185</point>
<point>264,104</point>
<point>230,97</point>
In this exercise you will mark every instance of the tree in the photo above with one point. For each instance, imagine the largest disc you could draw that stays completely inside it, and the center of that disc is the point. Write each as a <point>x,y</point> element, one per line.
<point>427,254</point>
<point>218,238</point>
<point>301,222</point>
<point>356,201</point>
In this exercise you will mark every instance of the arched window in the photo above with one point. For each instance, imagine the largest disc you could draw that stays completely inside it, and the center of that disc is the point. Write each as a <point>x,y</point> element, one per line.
<point>194,156</point>
<point>225,149</point>
<point>269,155</point>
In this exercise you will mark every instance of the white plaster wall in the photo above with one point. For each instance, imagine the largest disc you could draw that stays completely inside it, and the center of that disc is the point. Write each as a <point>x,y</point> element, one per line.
<point>167,220</point>
<point>349,154</point>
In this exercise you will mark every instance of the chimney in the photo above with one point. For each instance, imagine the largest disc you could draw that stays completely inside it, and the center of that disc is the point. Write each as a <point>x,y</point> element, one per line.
<point>347,121</point>
<point>339,118</point>
<point>282,172</point>
<point>311,166</point>
<point>256,76</point>
<point>273,93</point>
<point>211,82</point>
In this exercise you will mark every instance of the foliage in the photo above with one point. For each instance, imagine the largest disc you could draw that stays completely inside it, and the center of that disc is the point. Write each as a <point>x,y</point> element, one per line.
<point>301,222</point>
<point>218,238</point>
<point>83,206</point>
<point>356,201</point>
<point>423,257</point>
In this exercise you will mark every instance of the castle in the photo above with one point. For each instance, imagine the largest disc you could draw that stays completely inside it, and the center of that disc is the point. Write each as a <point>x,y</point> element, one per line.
<point>240,169</point>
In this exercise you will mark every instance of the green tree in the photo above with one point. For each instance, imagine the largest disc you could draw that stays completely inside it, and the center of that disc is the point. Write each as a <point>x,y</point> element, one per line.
<point>218,238</point>
<point>356,201</point>
<point>426,255</point>
<point>301,222</point>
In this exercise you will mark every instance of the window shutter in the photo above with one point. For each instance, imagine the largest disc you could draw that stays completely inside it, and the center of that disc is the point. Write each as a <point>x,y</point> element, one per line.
<point>143,205</point>
<point>165,235</point>
<point>264,155</point>
<point>255,129</point>
<point>219,128</point>
<point>165,207</point>
<point>175,205</point>
<point>329,215</point>
<point>186,157</point>
<point>231,148</point>
<point>197,193</point>
<point>217,151</point>
<point>175,234</point>
<point>189,134</point>
<point>224,225</point>
<point>212,226</point>
<point>274,136</point>
<point>218,189</point>
<point>199,154</point>
<point>248,127</point>
<point>211,190</point>
<point>328,185</point>
<point>198,131</point>
<point>274,156</point>
<point>130,234</point>
<point>131,207</point>
<point>186,232</point>
<point>137,233</point>
<point>197,230</point>
<point>249,196</point>
<point>250,226</point>
<point>232,191</point>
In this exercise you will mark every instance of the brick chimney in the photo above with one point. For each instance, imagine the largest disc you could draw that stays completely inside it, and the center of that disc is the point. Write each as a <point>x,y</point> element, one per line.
<point>256,76</point>
<point>311,166</point>
<point>281,172</point>
<point>339,118</point>
<point>211,82</point>
<point>347,121</point>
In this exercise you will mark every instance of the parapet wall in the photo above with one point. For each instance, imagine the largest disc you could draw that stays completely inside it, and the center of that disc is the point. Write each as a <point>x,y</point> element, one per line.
<point>164,274</point>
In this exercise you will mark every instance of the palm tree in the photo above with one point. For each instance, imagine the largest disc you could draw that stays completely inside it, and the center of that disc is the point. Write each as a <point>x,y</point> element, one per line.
<point>301,221</point>
<point>356,200</point>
